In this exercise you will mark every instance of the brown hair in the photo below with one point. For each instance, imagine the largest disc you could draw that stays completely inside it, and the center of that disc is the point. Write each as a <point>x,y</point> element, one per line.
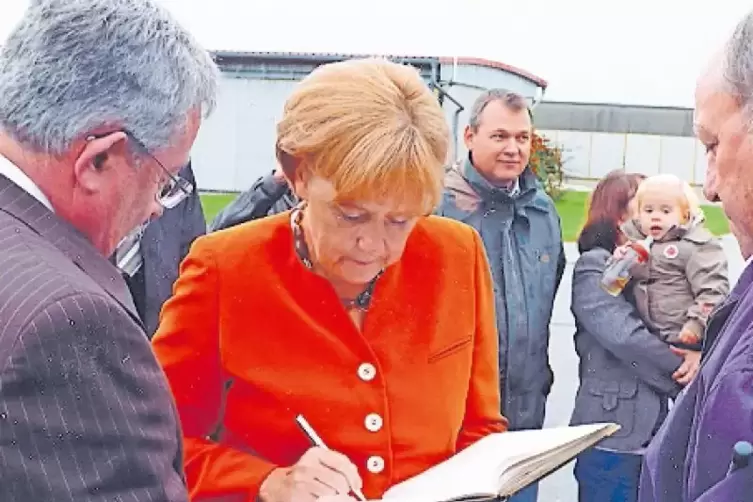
<point>611,197</point>
<point>372,128</point>
<point>607,207</point>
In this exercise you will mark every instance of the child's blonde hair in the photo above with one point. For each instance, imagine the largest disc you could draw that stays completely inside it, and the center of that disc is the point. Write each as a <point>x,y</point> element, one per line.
<point>687,198</point>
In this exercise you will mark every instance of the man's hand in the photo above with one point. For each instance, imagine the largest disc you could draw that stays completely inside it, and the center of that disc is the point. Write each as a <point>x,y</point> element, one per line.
<point>689,367</point>
<point>318,473</point>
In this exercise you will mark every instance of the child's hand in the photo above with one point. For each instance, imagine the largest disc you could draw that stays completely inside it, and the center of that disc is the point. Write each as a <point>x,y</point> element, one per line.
<point>687,337</point>
<point>619,252</point>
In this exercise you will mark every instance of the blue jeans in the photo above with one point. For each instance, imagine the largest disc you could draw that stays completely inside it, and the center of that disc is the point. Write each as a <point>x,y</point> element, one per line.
<point>607,476</point>
<point>527,494</point>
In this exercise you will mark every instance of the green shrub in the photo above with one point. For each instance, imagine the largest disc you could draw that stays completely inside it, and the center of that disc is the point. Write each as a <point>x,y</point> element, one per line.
<point>547,162</point>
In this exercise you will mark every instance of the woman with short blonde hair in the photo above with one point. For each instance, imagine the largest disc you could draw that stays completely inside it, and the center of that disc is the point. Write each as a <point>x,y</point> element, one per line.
<point>372,128</point>
<point>355,310</point>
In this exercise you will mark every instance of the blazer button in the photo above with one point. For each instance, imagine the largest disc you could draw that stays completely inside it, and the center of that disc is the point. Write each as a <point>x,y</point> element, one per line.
<point>375,464</point>
<point>373,422</point>
<point>366,372</point>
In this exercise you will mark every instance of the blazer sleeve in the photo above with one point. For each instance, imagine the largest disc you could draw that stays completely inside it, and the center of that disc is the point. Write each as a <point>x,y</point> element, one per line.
<point>84,409</point>
<point>482,411</point>
<point>615,324</point>
<point>187,347</point>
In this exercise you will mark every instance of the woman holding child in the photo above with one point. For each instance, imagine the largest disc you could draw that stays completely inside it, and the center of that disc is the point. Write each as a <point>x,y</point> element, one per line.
<point>629,372</point>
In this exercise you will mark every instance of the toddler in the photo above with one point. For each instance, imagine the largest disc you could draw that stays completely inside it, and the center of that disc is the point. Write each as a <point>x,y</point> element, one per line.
<point>686,274</point>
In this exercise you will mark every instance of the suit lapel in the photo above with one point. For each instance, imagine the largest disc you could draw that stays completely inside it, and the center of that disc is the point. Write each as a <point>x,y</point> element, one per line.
<point>61,234</point>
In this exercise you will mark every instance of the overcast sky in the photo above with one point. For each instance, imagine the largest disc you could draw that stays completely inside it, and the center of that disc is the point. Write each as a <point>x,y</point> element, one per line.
<point>640,51</point>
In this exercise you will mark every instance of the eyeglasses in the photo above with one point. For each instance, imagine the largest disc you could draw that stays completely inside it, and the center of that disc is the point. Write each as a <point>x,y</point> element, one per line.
<point>173,191</point>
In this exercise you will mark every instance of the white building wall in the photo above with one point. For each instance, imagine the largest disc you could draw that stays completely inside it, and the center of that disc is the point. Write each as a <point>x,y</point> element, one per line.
<point>465,83</point>
<point>591,155</point>
<point>235,145</point>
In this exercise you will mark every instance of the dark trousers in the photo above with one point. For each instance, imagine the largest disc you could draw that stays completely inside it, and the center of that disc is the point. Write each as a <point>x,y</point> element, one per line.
<point>607,476</point>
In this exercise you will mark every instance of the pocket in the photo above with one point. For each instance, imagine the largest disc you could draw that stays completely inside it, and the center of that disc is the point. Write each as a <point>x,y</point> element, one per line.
<point>617,403</point>
<point>450,349</point>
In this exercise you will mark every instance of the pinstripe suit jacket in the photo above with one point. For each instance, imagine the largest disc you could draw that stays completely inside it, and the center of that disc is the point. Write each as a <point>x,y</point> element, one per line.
<point>85,411</point>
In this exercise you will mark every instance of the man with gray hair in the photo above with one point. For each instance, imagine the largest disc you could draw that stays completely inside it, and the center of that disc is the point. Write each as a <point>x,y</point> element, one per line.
<point>100,102</point>
<point>495,191</point>
<point>703,451</point>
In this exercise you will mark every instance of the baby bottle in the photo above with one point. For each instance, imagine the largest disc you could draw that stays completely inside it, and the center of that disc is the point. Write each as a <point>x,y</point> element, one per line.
<point>619,271</point>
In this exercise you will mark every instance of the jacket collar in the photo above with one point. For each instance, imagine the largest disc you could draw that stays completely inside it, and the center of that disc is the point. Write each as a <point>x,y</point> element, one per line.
<point>524,187</point>
<point>22,180</point>
<point>744,281</point>
<point>34,214</point>
<point>469,190</point>
<point>727,307</point>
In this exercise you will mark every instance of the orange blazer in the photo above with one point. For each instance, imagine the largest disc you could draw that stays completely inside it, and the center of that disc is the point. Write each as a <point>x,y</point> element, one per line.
<point>251,338</point>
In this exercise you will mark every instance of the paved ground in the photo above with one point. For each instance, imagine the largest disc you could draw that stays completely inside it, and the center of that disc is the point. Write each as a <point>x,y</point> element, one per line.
<point>560,486</point>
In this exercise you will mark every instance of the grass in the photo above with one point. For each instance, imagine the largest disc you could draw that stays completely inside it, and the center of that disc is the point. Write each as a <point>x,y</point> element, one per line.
<point>571,208</point>
<point>213,203</point>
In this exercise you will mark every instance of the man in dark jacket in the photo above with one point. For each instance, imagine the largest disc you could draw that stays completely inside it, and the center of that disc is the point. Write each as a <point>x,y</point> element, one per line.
<point>155,255</point>
<point>269,195</point>
<point>495,191</point>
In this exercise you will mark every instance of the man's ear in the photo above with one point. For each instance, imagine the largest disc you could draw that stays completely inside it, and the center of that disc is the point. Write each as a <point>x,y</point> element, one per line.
<point>468,136</point>
<point>94,158</point>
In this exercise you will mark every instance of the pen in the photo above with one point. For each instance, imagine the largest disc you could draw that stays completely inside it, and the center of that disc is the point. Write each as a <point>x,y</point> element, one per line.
<point>314,437</point>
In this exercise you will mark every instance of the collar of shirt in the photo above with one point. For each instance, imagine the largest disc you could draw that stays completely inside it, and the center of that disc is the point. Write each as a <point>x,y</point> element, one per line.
<point>483,185</point>
<point>515,188</point>
<point>748,261</point>
<point>128,256</point>
<point>17,176</point>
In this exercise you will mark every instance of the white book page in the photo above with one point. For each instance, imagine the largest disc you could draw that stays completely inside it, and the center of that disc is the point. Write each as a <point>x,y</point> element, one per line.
<point>477,469</point>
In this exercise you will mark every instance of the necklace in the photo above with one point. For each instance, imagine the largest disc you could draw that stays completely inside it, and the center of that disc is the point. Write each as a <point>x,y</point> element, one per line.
<point>361,302</point>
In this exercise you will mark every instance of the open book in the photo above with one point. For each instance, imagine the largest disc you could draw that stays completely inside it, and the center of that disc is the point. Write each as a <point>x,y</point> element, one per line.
<point>499,465</point>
